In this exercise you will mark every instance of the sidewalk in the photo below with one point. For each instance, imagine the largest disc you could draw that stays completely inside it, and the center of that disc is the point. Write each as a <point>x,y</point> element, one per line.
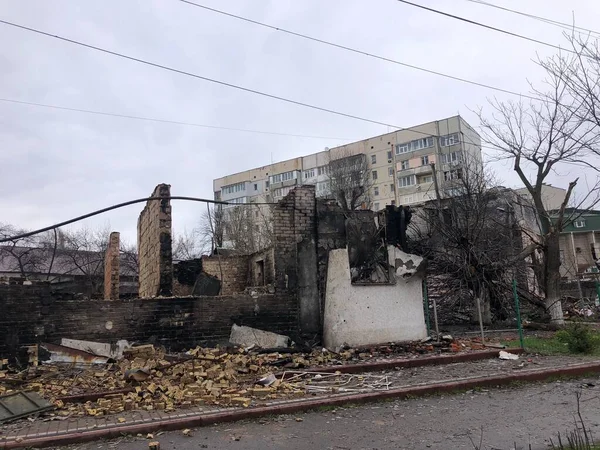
<point>402,383</point>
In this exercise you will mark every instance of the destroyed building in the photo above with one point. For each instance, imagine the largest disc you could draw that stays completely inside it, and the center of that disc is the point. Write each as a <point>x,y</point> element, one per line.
<point>299,285</point>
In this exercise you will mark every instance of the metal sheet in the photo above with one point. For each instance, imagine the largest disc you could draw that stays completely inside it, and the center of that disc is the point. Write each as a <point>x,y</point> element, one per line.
<point>22,404</point>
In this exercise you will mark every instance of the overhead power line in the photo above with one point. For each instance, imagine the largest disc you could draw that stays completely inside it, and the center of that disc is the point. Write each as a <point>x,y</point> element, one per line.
<point>557,23</point>
<point>200,77</point>
<point>489,27</point>
<point>121,205</point>
<point>354,50</point>
<point>175,122</point>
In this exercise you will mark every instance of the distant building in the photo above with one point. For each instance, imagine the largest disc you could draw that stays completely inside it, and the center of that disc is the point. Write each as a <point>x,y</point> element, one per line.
<point>580,245</point>
<point>552,197</point>
<point>399,163</point>
<point>66,270</point>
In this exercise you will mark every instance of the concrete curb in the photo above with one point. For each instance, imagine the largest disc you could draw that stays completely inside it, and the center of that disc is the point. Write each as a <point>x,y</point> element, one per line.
<point>295,406</point>
<point>415,362</point>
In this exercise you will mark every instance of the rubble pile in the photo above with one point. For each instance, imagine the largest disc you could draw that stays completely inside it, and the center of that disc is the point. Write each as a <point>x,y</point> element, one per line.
<point>149,379</point>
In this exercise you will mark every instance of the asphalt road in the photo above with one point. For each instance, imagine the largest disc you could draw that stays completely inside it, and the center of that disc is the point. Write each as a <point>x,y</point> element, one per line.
<point>500,417</point>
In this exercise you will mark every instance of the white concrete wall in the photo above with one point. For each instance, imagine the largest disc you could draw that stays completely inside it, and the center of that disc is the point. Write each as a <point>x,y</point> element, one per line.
<point>374,314</point>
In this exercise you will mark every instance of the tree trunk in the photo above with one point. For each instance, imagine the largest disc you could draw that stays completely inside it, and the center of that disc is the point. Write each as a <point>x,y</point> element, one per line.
<point>552,278</point>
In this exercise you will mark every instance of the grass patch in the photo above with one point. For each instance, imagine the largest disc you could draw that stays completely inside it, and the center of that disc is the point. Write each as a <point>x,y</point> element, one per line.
<point>576,338</point>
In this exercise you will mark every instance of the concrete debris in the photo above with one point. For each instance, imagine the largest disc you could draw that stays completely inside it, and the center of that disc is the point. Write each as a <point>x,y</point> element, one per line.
<point>247,336</point>
<point>267,381</point>
<point>154,445</point>
<point>137,374</point>
<point>114,351</point>
<point>79,358</point>
<point>507,356</point>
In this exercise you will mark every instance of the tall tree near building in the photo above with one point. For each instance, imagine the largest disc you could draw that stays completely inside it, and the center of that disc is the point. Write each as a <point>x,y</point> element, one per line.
<point>473,244</point>
<point>558,131</point>
<point>350,180</point>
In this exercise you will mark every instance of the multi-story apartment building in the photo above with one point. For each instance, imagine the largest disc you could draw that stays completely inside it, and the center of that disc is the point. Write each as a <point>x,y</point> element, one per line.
<point>399,163</point>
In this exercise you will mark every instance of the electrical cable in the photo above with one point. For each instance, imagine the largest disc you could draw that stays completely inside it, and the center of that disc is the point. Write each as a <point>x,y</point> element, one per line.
<point>479,24</point>
<point>121,205</point>
<point>253,91</point>
<point>361,52</point>
<point>563,25</point>
<point>175,122</point>
<point>200,77</point>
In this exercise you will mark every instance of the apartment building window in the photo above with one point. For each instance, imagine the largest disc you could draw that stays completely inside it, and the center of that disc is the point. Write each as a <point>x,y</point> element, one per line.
<point>373,159</point>
<point>322,170</point>
<point>376,206</point>
<point>267,184</point>
<point>374,174</point>
<point>310,173</point>
<point>390,171</point>
<point>449,139</point>
<point>255,187</point>
<point>389,155</point>
<point>376,190</point>
<point>238,201</point>
<point>285,176</point>
<point>392,188</point>
<point>282,192</point>
<point>425,160</point>
<point>406,181</point>
<point>322,187</point>
<point>453,175</point>
<point>233,188</point>
<point>405,164</point>
<point>579,223</point>
<point>417,144</point>
<point>451,157</point>
<point>425,179</point>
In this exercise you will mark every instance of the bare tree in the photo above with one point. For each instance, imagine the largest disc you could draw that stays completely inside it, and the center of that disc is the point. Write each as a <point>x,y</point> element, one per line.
<point>248,228</point>
<point>30,255</point>
<point>350,180</point>
<point>211,228</point>
<point>187,245</point>
<point>538,139</point>
<point>472,245</point>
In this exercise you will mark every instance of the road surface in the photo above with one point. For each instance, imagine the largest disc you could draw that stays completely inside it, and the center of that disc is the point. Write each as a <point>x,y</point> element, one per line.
<point>526,415</point>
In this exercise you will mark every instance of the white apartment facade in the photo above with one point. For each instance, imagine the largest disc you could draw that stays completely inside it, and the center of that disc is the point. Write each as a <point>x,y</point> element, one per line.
<point>399,162</point>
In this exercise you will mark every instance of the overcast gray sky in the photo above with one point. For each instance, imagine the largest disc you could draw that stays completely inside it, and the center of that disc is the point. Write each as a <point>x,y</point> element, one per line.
<point>56,164</point>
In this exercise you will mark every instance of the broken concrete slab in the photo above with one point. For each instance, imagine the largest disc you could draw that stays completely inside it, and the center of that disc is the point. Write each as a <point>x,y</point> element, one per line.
<point>406,265</point>
<point>247,336</point>
<point>79,358</point>
<point>114,351</point>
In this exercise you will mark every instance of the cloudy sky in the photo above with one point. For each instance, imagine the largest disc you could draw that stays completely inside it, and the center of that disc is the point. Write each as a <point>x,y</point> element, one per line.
<point>56,164</point>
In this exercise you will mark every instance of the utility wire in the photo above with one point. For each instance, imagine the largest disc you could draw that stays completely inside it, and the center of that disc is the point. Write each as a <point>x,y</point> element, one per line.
<point>176,122</point>
<point>171,69</point>
<point>121,205</point>
<point>479,24</point>
<point>354,50</point>
<point>563,25</point>
<point>200,77</point>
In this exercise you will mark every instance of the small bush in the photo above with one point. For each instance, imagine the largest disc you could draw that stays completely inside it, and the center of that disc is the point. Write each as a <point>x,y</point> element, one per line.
<point>579,338</point>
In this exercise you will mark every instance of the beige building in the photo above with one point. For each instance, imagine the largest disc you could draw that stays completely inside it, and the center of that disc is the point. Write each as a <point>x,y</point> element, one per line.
<point>552,197</point>
<point>399,164</point>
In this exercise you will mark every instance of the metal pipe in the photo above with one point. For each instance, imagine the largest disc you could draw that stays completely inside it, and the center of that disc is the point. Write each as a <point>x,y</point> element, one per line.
<point>518,311</point>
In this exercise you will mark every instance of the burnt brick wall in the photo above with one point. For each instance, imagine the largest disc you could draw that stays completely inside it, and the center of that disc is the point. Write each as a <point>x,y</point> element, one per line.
<point>154,246</point>
<point>234,270</point>
<point>22,306</point>
<point>111,268</point>
<point>266,258</point>
<point>31,315</point>
<point>295,247</point>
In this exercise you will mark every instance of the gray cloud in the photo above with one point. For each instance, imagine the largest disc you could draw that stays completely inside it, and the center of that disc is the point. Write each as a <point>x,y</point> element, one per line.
<point>57,164</point>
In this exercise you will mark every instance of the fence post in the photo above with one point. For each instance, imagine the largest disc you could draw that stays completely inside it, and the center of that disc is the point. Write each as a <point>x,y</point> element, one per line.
<point>426,307</point>
<point>518,310</point>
